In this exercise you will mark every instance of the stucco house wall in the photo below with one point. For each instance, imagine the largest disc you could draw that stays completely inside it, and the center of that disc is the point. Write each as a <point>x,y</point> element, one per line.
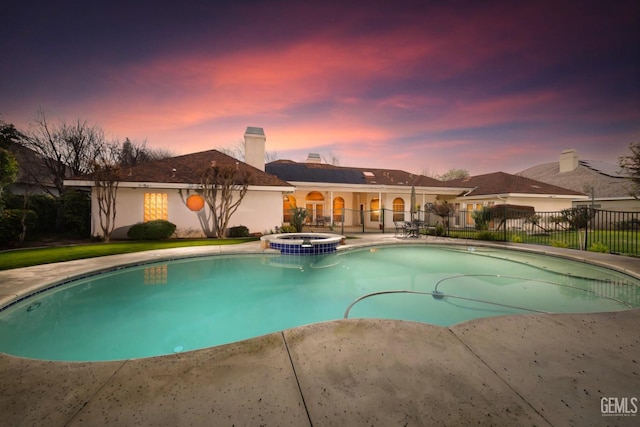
<point>259,211</point>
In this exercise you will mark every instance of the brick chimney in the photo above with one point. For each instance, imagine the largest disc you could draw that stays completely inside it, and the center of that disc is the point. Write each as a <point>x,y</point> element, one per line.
<point>254,146</point>
<point>568,160</point>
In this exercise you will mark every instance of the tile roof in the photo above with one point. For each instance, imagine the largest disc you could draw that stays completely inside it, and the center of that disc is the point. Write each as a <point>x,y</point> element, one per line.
<point>587,175</point>
<point>187,169</point>
<point>320,172</point>
<point>504,183</point>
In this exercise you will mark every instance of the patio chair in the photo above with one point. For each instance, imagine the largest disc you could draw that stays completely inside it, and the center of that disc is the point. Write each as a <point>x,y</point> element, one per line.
<point>400,228</point>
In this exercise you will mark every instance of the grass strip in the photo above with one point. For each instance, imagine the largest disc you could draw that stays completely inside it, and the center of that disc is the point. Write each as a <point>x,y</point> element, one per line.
<point>46,255</point>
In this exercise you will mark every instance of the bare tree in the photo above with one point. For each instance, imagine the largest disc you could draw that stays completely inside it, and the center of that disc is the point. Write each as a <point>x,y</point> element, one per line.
<point>444,210</point>
<point>65,149</point>
<point>223,188</point>
<point>452,174</point>
<point>631,164</point>
<point>106,178</point>
<point>237,152</point>
<point>133,153</point>
<point>331,159</point>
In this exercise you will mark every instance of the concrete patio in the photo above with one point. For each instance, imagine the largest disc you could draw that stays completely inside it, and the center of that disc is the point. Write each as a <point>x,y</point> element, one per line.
<point>511,370</point>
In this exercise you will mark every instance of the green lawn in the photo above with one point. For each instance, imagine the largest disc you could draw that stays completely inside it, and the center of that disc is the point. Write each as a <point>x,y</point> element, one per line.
<point>615,241</point>
<point>28,257</point>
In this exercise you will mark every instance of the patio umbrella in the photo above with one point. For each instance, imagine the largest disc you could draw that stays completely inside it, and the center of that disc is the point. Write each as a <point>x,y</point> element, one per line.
<point>413,201</point>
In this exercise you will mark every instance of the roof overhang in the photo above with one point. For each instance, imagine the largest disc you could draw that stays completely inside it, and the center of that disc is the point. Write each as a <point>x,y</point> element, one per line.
<point>527,195</point>
<point>403,189</point>
<point>175,186</point>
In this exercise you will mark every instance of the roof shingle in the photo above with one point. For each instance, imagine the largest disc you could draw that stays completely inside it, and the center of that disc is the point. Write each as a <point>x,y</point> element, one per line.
<point>504,183</point>
<point>188,168</point>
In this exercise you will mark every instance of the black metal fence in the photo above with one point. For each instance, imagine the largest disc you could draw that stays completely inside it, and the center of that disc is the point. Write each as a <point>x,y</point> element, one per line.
<point>577,228</point>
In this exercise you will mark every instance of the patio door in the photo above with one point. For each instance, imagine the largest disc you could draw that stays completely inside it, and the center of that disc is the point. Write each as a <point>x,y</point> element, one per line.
<point>314,211</point>
<point>314,203</point>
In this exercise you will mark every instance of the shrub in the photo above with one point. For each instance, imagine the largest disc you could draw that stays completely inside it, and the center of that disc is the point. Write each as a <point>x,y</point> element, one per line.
<point>298,215</point>
<point>599,247</point>
<point>11,225</point>
<point>75,209</point>
<point>486,235</point>
<point>439,230</point>
<point>287,229</point>
<point>151,230</point>
<point>559,244</point>
<point>516,239</point>
<point>482,218</point>
<point>238,231</point>
<point>43,205</point>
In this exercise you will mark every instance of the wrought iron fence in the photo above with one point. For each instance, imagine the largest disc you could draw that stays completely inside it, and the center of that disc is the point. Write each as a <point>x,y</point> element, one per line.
<point>577,228</point>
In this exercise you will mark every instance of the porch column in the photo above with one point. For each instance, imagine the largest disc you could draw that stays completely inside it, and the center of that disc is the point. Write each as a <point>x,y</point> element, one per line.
<point>331,208</point>
<point>380,205</point>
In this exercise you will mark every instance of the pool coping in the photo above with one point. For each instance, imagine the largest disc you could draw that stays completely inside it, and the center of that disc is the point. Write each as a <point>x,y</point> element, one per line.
<point>522,369</point>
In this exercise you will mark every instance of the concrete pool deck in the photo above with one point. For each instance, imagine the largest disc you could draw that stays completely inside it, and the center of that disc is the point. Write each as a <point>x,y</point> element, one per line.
<point>543,369</point>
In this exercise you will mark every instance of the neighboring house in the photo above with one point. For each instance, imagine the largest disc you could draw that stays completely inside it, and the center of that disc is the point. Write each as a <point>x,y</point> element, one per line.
<point>33,175</point>
<point>161,189</point>
<point>502,188</point>
<point>605,184</point>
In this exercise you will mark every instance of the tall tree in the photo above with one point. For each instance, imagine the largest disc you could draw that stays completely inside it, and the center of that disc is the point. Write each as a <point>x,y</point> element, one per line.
<point>8,162</point>
<point>66,149</point>
<point>133,153</point>
<point>9,134</point>
<point>631,164</point>
<point>223,188</point>
<point>8,170</point>
<point>106,178</point>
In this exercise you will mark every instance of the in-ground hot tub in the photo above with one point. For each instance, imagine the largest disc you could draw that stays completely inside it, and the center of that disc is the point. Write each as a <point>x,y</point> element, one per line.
<point>303,243</point>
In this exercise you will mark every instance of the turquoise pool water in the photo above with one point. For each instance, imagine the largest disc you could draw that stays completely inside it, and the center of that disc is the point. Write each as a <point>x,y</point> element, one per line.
<point>184,305</point>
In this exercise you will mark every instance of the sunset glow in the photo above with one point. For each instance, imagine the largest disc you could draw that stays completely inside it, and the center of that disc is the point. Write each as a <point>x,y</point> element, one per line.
<point>414,85</point>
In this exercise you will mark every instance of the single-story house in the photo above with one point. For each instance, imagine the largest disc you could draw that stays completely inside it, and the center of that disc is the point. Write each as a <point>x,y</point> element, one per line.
<point>368,197</point>
<point>607,186</point>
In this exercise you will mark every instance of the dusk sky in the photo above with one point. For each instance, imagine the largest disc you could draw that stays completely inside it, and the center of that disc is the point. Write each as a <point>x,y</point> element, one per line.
<point>423,86</point>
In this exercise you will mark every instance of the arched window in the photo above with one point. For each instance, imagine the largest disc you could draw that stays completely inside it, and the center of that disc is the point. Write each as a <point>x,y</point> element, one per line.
<point>288,204</point>
<point>338,209</point>
<point>398,209</point>
<point>374,207</point>
<point>314,203</point>
<point>315,196</point>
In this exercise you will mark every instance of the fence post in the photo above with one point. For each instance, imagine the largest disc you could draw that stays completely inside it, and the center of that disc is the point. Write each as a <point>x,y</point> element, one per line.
<point>504,225</point>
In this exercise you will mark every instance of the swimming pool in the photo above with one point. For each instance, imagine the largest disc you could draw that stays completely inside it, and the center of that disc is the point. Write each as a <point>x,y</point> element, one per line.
<point>163,308</point>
